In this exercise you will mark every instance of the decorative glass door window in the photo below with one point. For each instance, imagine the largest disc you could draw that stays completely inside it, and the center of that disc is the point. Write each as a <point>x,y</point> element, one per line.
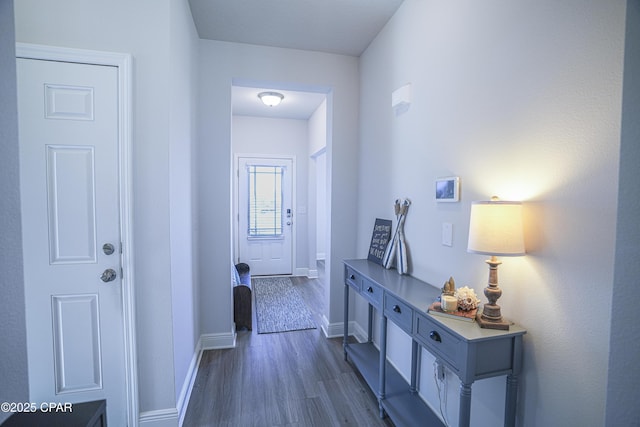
<point>265,201</point>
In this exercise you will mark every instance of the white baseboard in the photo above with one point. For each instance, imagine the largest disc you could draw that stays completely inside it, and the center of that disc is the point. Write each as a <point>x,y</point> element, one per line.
<point>187,387</point>
<point>335,330</point>
<point>217,341</point>
<point>306,272</point>
<point>356,330</point>
<point>159,418</point>
<point>300,272</point>
<point>331,330</point>
<point>206,342</point>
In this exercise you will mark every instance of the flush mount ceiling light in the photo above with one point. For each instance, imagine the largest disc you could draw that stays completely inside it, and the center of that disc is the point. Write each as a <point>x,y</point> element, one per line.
<point>271,99</point>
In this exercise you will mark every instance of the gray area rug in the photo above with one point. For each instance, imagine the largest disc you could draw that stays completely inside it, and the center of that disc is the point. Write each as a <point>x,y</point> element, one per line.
<point>279,306</point>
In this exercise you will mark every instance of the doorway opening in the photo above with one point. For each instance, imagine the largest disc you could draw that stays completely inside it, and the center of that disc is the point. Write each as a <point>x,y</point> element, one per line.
<point>262,137</point>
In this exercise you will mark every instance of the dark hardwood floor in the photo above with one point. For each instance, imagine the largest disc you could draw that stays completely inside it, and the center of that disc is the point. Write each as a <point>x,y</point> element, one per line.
<point>295,378</point>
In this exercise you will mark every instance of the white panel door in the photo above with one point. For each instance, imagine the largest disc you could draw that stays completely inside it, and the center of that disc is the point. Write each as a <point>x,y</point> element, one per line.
<point>68,123</point>
<point>265,218</point>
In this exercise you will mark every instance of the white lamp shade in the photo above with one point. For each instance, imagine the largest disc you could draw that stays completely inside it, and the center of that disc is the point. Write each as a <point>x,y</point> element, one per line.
<point>495,228</point>
<point>271,99</point>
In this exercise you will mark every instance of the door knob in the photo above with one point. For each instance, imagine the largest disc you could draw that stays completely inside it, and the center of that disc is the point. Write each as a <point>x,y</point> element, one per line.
<point>109,275</point>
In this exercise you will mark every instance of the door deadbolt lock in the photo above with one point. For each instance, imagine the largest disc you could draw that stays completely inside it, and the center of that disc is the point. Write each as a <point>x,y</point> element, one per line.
<point>109,275</point>
<point>108,249</point>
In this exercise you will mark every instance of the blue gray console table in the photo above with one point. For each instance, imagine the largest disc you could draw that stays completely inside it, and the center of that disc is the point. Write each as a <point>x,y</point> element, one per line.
<point>472,353</point>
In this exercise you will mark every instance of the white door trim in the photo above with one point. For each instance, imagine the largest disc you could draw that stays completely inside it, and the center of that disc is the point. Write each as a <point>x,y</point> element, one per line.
<point>123,62</point>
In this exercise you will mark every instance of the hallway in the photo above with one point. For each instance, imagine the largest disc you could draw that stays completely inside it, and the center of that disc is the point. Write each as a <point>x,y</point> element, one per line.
<point>295,378</point>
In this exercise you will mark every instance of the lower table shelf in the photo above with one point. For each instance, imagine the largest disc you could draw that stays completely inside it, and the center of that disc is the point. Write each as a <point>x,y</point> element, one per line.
<point>404,407</point>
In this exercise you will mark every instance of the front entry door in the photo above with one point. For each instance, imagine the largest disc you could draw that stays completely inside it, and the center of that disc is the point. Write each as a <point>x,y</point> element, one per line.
<point>69,179</point>
<point>265,214</point>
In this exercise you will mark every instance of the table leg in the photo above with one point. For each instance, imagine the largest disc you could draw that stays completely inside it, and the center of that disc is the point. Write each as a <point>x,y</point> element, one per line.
<point>511,401</point>
<point>464,418</point>
<point>383,362</point>
<point>346,320</point>
<point>415,356</point>
<point>370,325</point>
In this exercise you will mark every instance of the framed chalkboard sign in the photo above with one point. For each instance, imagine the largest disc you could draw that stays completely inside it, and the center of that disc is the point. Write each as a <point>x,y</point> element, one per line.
<point>379,240</point>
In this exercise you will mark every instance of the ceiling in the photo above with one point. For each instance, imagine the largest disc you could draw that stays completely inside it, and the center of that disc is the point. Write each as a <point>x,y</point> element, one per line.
<point>344,27</point>
<point>295,105</point>
<point>335,26</point>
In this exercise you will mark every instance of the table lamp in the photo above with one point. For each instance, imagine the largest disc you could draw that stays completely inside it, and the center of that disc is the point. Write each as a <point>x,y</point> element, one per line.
<point>495,229</point>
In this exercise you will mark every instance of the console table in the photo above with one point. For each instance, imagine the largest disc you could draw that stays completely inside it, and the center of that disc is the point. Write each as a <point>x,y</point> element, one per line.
<point>472,353</point>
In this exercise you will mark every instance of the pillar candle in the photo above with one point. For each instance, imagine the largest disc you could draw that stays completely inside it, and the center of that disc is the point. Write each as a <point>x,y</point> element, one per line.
<point>449,303</point>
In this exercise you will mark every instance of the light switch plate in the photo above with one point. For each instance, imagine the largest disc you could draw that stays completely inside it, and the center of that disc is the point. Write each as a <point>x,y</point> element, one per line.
<point>447,234</point>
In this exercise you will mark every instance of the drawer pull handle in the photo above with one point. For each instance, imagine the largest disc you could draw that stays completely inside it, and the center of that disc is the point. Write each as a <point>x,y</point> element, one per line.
<point>352,277</point>
<point>370,289</point>
<point>396,308</point>
<point>435,336</point>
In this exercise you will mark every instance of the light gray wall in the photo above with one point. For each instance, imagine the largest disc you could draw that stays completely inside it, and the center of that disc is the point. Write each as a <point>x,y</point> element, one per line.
<point>220,64</point>
<point>321,206</point>
<point>624,375</point>
<point>522,100</point>
<point>14,386</point>
<point>318,129</point>
<point>183,233</point>
<point>317,182</point>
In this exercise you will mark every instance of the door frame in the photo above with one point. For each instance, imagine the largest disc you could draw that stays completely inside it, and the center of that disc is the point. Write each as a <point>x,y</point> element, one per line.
<point>236,202</point>
<point>123,63</point>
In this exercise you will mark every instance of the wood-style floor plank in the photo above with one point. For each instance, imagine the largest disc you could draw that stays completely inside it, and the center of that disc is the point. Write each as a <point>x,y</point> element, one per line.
<point>297,378</point>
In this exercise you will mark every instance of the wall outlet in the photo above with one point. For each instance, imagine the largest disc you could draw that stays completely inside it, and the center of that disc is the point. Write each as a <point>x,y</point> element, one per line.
<point>440,371</point>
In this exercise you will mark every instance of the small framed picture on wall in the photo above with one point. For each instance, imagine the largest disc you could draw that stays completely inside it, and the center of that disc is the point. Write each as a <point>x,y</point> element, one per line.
<point>448,189</point>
